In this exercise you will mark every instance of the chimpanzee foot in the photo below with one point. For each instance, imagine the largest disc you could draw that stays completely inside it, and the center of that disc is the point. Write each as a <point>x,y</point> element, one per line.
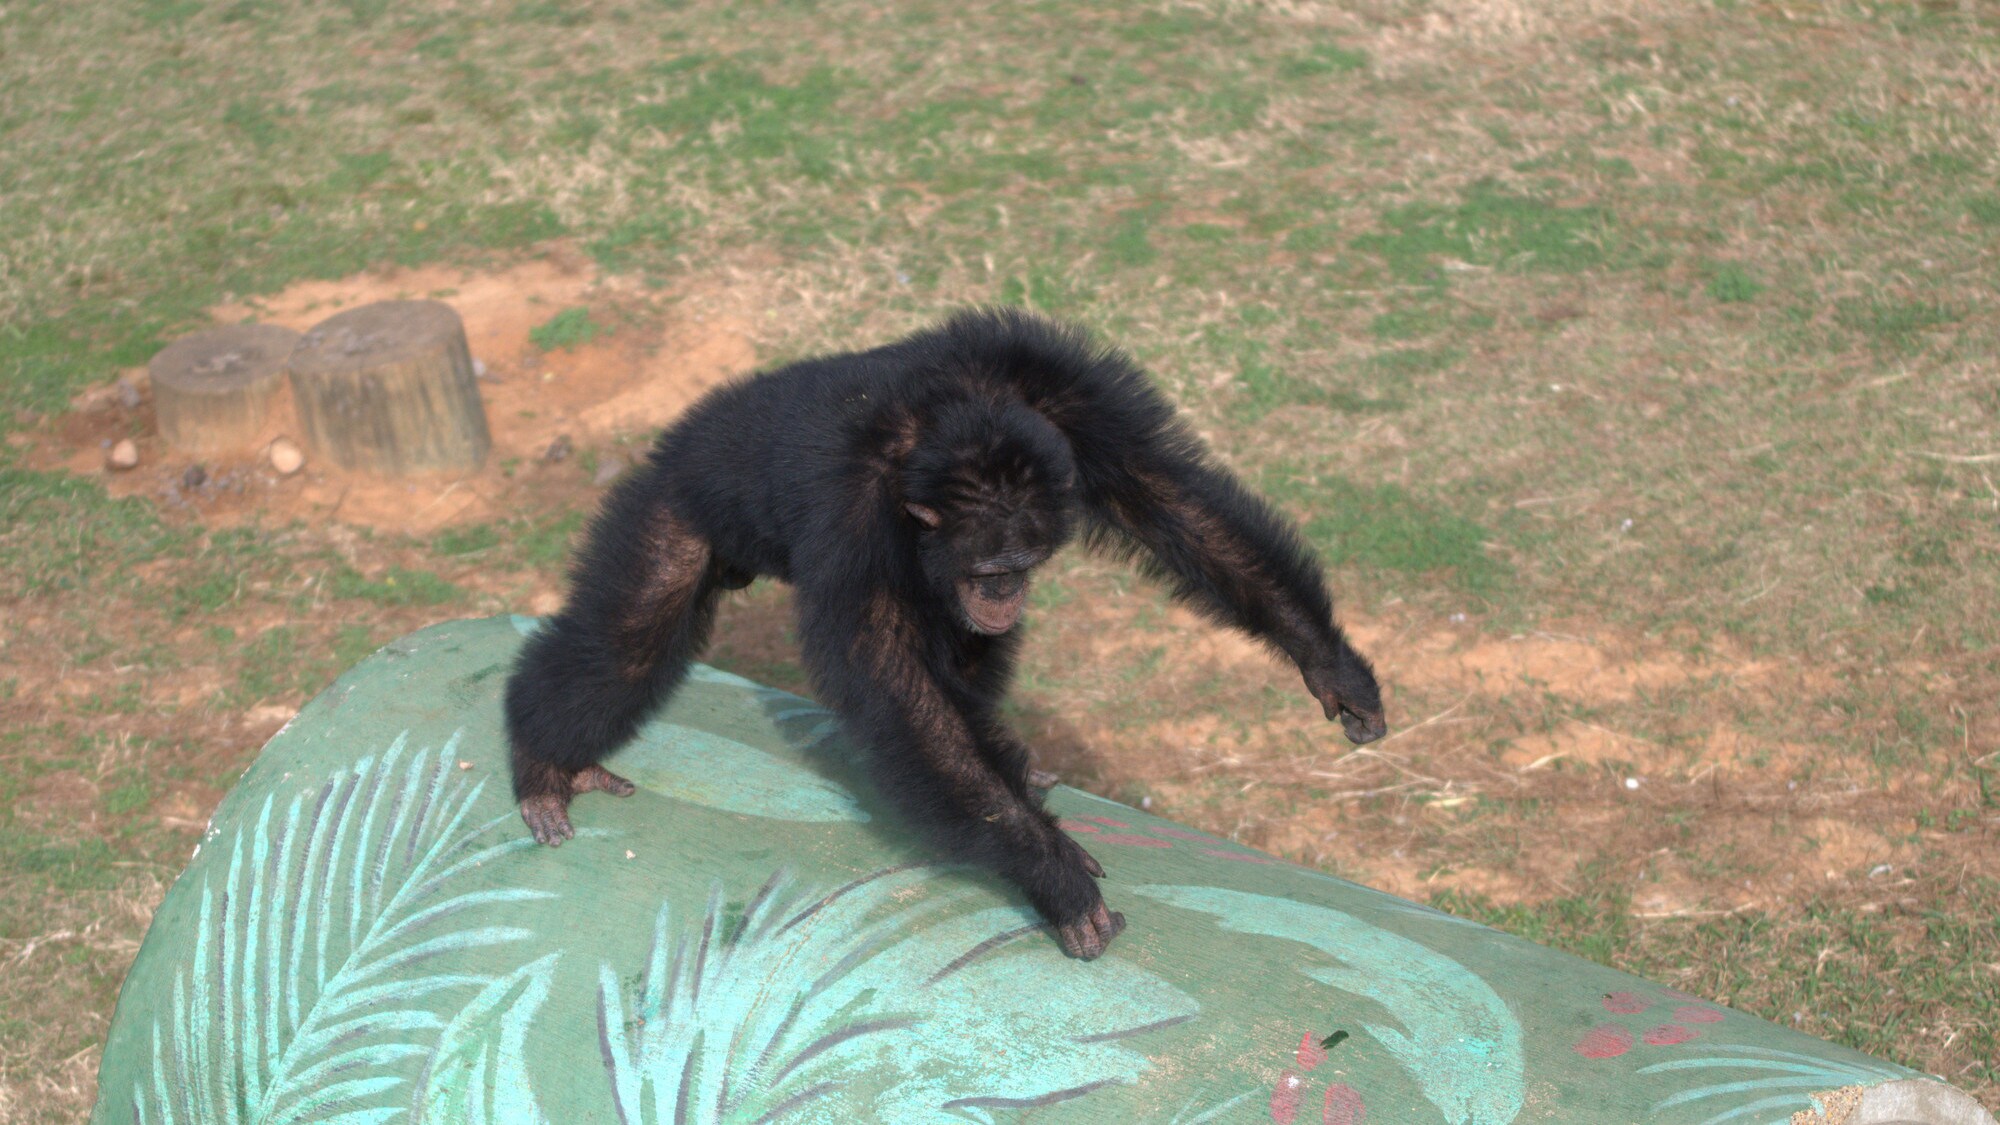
<point>1043,779</point>
<point>547,814</point>
<point>1087,937</point>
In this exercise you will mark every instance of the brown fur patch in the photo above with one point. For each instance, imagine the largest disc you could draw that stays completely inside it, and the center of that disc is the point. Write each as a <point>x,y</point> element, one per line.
<point>679,565</point>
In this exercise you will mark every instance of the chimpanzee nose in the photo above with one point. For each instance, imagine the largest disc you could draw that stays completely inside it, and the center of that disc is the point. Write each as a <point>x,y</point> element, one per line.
<point>1000,587</point>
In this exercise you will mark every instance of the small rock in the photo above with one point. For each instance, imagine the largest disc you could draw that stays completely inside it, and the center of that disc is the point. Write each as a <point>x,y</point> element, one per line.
<point>558,450</point>
<point>286,457</point>
<point>124,455</point>
<point>463,764</point>
<point>128,394</point>
<point>608,470</point>
<point>479,369</point>
<point>195,477</point>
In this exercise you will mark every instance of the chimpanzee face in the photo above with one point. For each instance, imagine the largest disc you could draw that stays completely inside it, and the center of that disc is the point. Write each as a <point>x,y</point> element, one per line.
<point>992,488</point>
<point>987,563</point>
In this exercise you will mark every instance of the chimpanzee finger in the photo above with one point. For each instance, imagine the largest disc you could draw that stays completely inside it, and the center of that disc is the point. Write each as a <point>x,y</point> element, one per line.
<point>547,820</point>
<point>597,779</point>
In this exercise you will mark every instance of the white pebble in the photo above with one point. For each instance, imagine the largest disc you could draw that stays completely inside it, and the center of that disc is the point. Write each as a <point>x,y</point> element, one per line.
<point>1631,783</point>
<point>124,455</point>
<point>286,457</point>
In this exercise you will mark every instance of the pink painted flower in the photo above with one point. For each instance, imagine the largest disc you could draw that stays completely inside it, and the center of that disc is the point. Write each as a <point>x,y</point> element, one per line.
<point>1105,821</point>
<point>1310,1053</point>
<point>1285,1097</point>
<point>1132,839</point>
<point>1605,1041</point>
<point>1343,1105</point>
<point>1069,825</point>
<point>1625,1003</point>
<point>1668,1034</point>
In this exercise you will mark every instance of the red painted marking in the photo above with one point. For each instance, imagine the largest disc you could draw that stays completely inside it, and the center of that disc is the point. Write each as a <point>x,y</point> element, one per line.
<point>1105,821</point>
<point>1285,1097</point>
<point>1343,1105</point>
<point>1069,825</point>
<point>1668,1034</point>
<point>1240,857</point>
<point>1180,833</point>
<point>1311,1054</point>
<point>1133,839</point>
<point>1605,1041</point>
<point>1625,1003</point>
<point>1698,1014</point>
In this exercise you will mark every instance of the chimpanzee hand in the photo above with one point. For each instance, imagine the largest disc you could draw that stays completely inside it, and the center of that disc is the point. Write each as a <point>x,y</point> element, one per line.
<point>1345,686</point>
<point>1064,889</point>
<point>547,813</point>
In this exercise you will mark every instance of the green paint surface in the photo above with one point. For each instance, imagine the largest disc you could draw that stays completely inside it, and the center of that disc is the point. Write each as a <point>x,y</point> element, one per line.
<point>366,934</point>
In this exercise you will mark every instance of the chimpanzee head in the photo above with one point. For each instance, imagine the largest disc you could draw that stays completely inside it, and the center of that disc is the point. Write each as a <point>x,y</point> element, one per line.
<point>991,489</point>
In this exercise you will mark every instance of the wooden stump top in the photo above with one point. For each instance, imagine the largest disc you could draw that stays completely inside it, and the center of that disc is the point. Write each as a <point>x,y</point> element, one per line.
<point>375,335</point>
<point>223,360</point>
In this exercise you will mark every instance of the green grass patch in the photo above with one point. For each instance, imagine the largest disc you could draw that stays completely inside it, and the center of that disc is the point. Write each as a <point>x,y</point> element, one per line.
<point>1893,324</point>
<point>570,328</point>
<point>60,532</point>
<point>1731,284</point>
<point>1490,227</point>
<point>466,540</point>
<point>398,586</point>
<point>1386,528</point>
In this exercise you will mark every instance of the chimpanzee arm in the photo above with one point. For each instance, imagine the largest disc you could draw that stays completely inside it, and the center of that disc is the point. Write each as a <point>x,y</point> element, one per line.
<point>865,652</point>
<point>1149,487</point>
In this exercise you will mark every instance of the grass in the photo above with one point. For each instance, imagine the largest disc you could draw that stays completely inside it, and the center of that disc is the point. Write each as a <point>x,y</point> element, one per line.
<point>1655,327</point>
<point>568,329</point>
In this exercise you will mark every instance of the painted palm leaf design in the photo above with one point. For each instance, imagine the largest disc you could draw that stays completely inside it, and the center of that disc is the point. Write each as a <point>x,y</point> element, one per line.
<point>1458,1039</point>
<point>305,995</point>
<point>1765,1072</point>
<point>876,1001</point>
<point>478,1074</point>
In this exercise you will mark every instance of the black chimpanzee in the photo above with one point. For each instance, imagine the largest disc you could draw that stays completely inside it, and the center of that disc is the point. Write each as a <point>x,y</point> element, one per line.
<point>908,493</point>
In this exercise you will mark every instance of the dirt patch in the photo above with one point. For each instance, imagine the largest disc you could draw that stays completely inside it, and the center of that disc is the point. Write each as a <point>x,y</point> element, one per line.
<point>649,365</point>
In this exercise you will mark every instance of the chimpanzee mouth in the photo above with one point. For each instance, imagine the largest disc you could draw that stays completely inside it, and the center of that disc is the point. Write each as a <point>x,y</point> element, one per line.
<point>993,616</point>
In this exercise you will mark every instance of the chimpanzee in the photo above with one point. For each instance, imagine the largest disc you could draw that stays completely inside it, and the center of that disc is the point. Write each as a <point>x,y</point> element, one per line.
<point>908,493</point>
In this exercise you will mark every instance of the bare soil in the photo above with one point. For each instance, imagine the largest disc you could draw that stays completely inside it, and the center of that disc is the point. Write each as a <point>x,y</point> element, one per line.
<point>611,390</point>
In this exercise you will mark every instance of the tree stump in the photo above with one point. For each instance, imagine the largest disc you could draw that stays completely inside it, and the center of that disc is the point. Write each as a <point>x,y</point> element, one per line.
<point>388,388</point>
<point>212,390</point>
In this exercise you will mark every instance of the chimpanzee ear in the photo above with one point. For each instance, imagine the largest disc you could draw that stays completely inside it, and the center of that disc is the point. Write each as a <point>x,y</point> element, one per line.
<point>926,516</point>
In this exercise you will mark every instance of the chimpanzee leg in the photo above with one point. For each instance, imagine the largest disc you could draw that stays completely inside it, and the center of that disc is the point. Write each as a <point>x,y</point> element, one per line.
<point>641,602</point>
<point>867,663</point>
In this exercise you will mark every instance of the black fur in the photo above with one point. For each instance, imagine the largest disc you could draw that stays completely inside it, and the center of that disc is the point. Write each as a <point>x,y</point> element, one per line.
<point>1006,432</point>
